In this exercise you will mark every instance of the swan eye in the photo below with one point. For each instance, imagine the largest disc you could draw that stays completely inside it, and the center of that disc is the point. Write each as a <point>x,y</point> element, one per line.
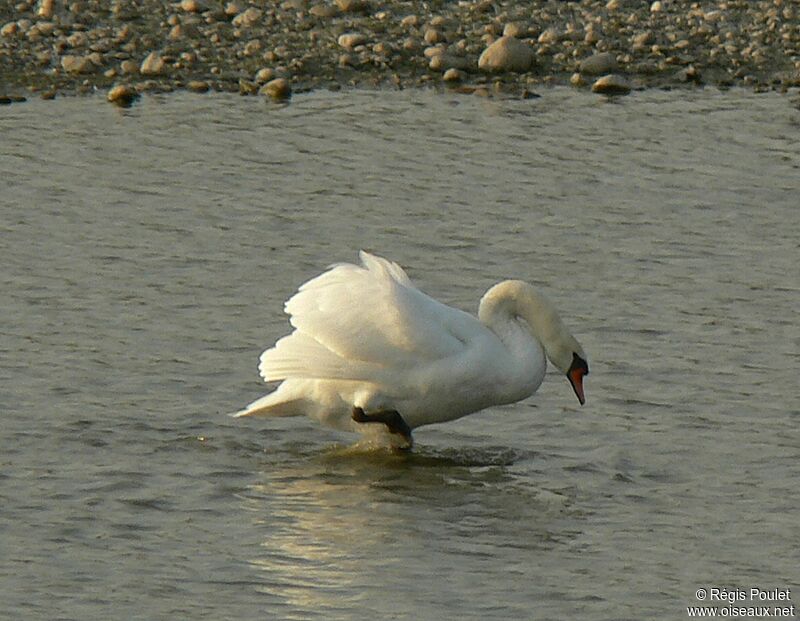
<point>579,363</point>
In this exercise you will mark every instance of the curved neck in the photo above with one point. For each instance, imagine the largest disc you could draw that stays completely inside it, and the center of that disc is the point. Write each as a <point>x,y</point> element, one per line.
<point>511,300</point>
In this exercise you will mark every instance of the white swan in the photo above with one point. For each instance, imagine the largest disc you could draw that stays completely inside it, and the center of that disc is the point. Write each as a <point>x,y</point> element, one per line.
<point>371,353</point>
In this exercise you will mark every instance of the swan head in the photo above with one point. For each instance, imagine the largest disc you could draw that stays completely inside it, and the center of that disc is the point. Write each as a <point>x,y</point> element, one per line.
<point>515,299</point>
<point>575,373</point>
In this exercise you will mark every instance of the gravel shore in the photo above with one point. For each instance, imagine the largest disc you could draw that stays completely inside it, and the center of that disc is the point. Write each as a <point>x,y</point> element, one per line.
<point>52,47</point>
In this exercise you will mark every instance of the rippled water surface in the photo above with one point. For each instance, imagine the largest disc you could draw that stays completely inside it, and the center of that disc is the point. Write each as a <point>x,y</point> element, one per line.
<point>145,258</point>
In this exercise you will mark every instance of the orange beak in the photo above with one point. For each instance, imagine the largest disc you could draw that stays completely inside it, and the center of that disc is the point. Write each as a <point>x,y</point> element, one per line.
<point>577,370</point>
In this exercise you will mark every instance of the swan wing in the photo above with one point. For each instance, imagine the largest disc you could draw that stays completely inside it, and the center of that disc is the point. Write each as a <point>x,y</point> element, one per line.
<point>354,319</point>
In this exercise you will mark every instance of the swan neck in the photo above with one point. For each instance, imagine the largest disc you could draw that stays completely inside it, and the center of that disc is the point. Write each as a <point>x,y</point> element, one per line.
<point>512,300</point>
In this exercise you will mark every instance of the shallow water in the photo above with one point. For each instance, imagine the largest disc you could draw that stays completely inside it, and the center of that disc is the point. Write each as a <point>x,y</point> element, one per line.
<point>146,255</point>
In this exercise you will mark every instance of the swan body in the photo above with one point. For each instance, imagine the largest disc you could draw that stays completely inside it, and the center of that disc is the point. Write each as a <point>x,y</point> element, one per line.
<point>366,340</point>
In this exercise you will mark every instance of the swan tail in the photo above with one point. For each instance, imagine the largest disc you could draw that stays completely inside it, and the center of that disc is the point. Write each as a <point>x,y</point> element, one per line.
<point>273,404</point>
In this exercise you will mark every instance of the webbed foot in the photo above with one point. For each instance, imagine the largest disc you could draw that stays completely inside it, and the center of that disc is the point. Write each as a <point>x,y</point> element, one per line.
<point>391,418</point>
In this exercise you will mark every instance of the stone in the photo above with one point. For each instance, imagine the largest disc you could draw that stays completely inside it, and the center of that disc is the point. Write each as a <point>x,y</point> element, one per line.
<point>349,40</point>
<point>410,44</point>
<point>435,50</point>
<point>78,39</point>
<point>599,64</point>
<point>264,75</point>
<point>129,67</point>
<point>233,8</point>
<point>507,54</point>
<point>176,33</point>
<point>9,99</point>
<point>445,62</point>
<point>433,36</point>
<point>452,75</point>
<point>191,6</point>
<point>252,48</point>
<point>247,88</point>
<point>247,18</point>
<point>278,89</point>
<point>442,23</point>
<point>198,86</point>
<point>46,9</point>
<point>323,10</point>
<point>548,37</point>
<point>611,84</point>
<point>9,29</point>
<point>689,74</point>
<point>576,79</point>
<point>77,64</point>
<point>153,64</point>
<point>642,40</point>
<point>350,6</point>
<point>122,95</point>
<point>382,48</point>
<point>515,29</point>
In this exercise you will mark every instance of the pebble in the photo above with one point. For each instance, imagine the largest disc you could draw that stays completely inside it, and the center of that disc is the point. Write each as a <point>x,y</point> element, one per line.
<point>46,9</point>
<point>433,36</point>
<point>122,95</point>
<point>77,64</point>
<point>264,75</point>
<point>611,84</point>
<point>599,64</point>
<point>247,18</point>
<point>9,29</point>
<point>350,6</point>
<point>752,43</point>
<point>445,61</point>
<point>515,29</point>
<point>78,39</point>
<point>689,74</point>
<point>576,79</point>
<point>153,64</point>
<point>548,37</point>
<point>642,40</point>
<point>198,86</point>
<point>278,89</point>
<point>349,40</point>
<point>129,67</point>
<point>233,8</point>
<point>9,99</point>
<point>452,75</point>
<point>507,54</point>
<point>176,33</point>
<point>325,11</point>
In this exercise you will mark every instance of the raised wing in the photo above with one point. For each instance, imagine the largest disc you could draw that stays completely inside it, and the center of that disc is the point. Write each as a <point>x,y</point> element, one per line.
<point>353,320</point>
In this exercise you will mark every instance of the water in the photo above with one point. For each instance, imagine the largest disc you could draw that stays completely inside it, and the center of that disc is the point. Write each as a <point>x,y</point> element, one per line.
<point>146,255</point>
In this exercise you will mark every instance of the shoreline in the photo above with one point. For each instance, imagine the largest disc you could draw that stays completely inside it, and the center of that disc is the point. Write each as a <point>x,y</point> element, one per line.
<point>50,48</point>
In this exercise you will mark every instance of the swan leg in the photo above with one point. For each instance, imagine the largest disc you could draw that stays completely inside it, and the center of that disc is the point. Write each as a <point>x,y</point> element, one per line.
<point>391,418</point>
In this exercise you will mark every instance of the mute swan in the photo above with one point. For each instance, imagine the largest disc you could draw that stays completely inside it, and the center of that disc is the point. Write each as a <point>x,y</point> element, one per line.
<point>371,353</point>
